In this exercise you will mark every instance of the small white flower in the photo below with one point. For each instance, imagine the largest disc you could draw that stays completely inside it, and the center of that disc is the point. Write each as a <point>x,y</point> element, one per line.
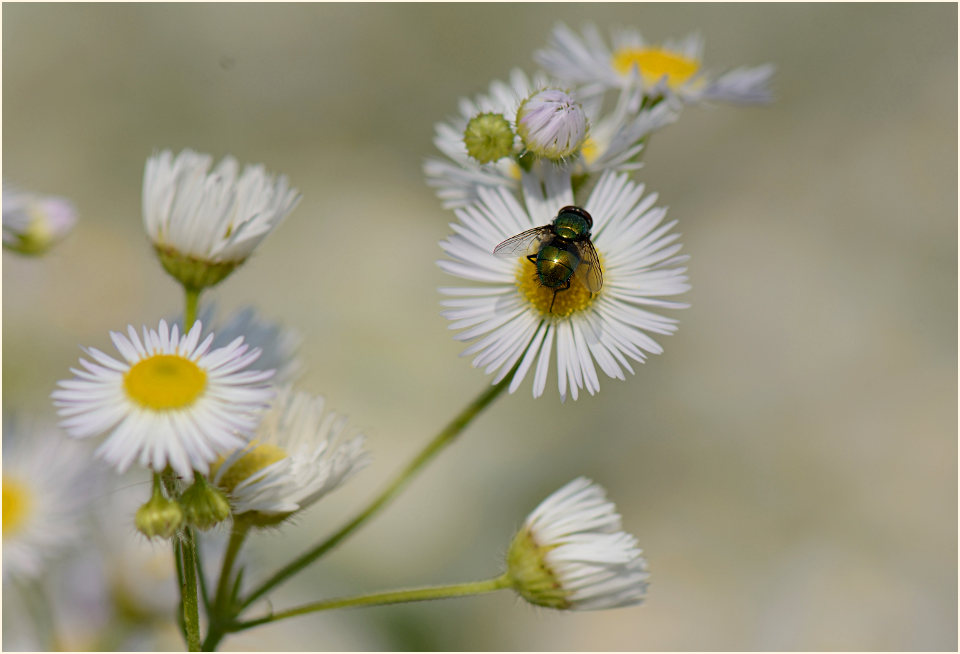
<point>457,176</point>
<point>173,400</point>
<point>46,490</point>
<point>298,455</point>
<point>32,223</point>
<point>552,124</point>
<point>518,321</point>
<point>196,217</point>
<point>672,70</point>
<point>571,553</point>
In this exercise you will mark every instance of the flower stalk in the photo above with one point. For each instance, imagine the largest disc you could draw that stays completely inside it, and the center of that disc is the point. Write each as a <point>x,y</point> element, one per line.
<point>442,439</point>
<point>387,597</point>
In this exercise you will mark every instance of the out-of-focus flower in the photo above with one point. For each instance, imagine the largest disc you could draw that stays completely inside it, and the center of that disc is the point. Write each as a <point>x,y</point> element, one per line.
<point>278,344</point>
<point>47,489</point>
<point>171,401</point>
<point>571,553</point>
<point>32,223</point>
<point>672,70</point>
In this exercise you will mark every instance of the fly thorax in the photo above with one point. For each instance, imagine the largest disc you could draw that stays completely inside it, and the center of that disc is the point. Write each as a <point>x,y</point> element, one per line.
<point>570,226</point>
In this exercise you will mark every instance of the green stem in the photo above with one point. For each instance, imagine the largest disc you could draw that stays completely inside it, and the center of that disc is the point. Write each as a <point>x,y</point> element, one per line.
<point>190,314</point>
<point>188,591</point>
<point>170,485</point>
<point>41,613</point>
<point>433,447</point>
<point>237,535</point>
<point>388,597</point>
<point>203,580</point>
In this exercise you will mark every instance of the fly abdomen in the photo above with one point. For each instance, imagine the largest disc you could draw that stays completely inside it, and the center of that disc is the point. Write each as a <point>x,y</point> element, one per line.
<point>555,265</point>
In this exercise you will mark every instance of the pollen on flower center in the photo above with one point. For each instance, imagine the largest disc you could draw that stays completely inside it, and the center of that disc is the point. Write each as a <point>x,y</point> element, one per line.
<point>16,505</point>
<point>165,381</point>
<point>258,458</point>
<point>576,298</point>
<point>590,151</point>
<point>655,63</point>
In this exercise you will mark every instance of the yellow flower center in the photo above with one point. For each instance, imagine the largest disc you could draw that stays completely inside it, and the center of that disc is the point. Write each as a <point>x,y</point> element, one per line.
<point>165,381</point>
<point>654,63</point>
<point>259,457</point>
<point>17,501</point>
<point>565,302</point>
<point>589,150</point>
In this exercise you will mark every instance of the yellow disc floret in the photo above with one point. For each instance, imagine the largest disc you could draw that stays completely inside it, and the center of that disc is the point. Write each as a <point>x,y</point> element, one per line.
<point>258,458</point>
<point>576,298</point>
<point>590,151</point>
<point>165,381</point>
<point>17,500</point>
<point>655,63</point>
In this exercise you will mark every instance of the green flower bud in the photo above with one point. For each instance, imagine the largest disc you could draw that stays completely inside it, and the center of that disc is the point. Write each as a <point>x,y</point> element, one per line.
<point>159,517</point>
<point>488,137</point>
<point>204,505</point>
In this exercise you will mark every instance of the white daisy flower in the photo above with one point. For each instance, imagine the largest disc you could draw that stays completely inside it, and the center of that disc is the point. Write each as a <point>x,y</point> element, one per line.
<point>571,553</point>
<point>672,70</point>
<point>205,223</point>
<point>298,455</point>
<point>32,223</point>
<point>457,176</point>
<point>173,400</point>
<point>519,321</point>
<point>46,493</point>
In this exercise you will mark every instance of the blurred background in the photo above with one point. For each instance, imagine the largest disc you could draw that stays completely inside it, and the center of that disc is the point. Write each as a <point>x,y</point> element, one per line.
<point>789,464</point>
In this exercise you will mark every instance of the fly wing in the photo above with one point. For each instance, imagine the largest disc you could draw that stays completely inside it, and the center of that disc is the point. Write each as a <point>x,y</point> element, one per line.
<point>588,272</point>
<point>524,243</point>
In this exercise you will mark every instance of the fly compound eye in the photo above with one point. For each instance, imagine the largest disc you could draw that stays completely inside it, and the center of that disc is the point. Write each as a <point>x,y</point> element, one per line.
<point>577,211</point>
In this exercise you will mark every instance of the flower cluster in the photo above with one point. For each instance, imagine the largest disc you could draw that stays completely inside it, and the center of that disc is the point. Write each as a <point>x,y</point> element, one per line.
<point>186,401</point>
<point>570,262</point>
<point>585,295</point>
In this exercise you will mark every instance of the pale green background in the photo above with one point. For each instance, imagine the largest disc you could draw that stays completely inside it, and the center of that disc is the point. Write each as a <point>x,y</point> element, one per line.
<point>789,462</point>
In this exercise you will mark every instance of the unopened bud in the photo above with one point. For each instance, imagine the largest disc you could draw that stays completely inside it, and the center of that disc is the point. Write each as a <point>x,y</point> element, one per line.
<point>552,124</point>
<point>488,137</point>
<point>204,505</point>
<point>159,517</point>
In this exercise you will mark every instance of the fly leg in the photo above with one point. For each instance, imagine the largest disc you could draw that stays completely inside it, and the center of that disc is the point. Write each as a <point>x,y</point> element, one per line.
<point>565,286</point>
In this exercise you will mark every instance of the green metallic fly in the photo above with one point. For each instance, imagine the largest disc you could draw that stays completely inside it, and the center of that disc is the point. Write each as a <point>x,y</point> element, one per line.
<point>559,251</point>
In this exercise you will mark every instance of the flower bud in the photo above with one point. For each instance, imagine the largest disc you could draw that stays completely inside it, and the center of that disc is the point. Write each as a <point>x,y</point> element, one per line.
<point>552,124</point>
<point>204,505</point>
<point>571,554</point>
<point>159,517</point>
<point>488,137</point>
